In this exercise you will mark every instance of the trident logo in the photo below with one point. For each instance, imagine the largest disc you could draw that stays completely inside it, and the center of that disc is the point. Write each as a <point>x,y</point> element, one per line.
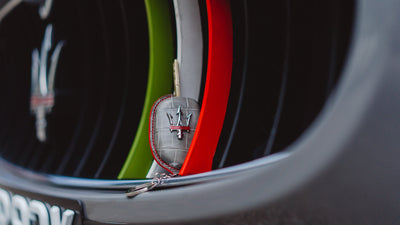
<point>42,83</point>
<point>179,126</point>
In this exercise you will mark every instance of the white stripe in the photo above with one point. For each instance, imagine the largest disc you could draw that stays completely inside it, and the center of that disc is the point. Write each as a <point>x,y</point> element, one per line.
<point>190,47</point>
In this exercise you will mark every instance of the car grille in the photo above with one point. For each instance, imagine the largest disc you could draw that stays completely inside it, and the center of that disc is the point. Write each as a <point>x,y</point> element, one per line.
<point>287,59</point>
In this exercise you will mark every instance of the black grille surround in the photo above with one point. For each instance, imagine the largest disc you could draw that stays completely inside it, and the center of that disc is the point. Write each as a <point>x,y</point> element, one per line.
<point>341,170</point>
<point>300,49</point>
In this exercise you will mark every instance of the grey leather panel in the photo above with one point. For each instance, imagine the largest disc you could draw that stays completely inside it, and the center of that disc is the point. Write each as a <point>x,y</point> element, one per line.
<point>173,123</point>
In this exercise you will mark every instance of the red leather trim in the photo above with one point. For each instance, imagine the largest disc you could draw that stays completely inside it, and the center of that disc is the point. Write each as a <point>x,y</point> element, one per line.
<point>180,128</point>
<point>216,93</point>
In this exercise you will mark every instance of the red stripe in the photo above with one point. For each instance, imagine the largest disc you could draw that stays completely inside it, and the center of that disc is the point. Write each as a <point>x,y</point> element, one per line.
<point>179,128</point>
<point>34,99</point>
<point>42,101</point>
<point>216,93</point>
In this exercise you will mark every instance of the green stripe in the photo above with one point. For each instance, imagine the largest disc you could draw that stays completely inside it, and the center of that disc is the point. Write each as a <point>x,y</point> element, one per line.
<point>159,83</point>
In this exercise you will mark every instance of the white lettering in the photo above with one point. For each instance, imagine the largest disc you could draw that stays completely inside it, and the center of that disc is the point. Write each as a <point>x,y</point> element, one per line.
<point>39,209</point>
<point>5,205</point>
<point>20,211</point>
<point>56,218</point>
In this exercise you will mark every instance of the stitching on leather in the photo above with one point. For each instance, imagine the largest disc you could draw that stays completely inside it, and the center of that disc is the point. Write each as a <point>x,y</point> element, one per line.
<point>152,144</point>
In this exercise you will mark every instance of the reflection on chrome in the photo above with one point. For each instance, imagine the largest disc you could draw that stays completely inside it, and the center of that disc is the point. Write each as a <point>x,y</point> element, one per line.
<point>45,9</point>
<point>7,6</point>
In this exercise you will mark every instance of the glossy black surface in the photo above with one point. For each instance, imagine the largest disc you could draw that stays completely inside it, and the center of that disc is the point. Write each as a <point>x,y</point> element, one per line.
<point>342,170</point>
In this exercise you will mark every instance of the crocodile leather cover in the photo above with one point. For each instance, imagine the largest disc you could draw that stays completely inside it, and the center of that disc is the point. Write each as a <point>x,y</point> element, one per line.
<point>173,122</point>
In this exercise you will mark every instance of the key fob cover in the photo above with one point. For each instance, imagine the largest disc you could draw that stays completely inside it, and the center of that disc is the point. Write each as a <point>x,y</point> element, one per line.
<point>173,122</point>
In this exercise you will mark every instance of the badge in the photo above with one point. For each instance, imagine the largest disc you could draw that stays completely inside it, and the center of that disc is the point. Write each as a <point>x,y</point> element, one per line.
<point>42,82</point>
<point>173,121</point>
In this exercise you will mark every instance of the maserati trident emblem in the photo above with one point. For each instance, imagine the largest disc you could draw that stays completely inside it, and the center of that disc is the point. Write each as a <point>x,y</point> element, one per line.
<point>179,126</point>
<point>42,83</point>
<point>173,122</point>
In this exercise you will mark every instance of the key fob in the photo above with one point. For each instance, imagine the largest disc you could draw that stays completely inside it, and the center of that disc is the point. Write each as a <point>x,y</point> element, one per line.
<point>173,122</point>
